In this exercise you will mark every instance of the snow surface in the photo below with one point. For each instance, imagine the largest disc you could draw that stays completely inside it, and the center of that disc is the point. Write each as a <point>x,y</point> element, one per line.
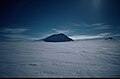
<point>83,59</point>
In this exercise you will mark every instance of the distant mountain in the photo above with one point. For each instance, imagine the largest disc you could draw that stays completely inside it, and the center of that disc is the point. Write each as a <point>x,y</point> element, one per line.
<point>109,38</point>
<point>57,38</point>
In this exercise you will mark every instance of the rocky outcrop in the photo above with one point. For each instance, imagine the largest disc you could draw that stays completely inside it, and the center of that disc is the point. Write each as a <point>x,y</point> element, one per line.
<point>57,38</point>
<point>109,38</point>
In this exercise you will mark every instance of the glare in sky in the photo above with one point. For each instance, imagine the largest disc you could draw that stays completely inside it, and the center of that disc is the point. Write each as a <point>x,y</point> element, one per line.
<point>96,3</point>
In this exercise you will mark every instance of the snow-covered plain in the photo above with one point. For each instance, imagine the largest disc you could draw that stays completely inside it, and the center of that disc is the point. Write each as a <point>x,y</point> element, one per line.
<point>83,59</point>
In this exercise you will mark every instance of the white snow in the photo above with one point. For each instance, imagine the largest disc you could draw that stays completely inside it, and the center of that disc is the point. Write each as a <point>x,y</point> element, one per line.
<point>82,59</point>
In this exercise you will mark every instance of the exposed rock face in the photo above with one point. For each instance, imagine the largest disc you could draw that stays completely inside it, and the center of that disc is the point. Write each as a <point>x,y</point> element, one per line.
<point>110,38</point>
<point>58,38</point>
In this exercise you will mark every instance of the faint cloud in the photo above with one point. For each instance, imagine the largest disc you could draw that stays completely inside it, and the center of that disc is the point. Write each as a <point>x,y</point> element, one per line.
<point>86,25</point>
<point>103,27</point>
<point>81,24</point>
<point>35,38</point>
<point>15,30</point>
<point>60,31</point>
<point>109,35</point>
<point>85,37</point>
<point>115,35</point>
<point>105,34</point>
<point>101,35</point>
<point>15,37</point>
<point>14,34</point>
<point>95,26</point>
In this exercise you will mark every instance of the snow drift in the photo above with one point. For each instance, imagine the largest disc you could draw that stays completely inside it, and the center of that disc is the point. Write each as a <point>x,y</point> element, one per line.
<point>81,59</point>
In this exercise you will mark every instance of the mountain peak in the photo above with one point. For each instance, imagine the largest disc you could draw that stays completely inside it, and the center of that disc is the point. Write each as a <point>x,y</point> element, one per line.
<point>57,38</point>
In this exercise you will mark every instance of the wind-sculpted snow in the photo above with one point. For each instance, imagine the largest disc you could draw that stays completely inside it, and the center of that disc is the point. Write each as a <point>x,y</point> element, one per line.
<point>81,59</point>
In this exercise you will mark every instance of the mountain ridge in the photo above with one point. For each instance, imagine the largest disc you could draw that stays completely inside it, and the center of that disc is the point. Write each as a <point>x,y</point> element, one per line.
<point>57,38</point>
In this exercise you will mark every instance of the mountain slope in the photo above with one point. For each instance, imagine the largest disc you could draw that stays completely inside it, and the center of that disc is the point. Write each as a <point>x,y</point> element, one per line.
<point>57,38</point>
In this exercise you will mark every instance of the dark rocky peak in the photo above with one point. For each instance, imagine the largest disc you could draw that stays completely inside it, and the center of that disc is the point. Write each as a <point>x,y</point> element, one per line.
<point>58,38</point>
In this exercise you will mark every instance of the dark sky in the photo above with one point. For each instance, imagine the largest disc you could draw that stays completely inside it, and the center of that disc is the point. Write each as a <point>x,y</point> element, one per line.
<point>34,19</point>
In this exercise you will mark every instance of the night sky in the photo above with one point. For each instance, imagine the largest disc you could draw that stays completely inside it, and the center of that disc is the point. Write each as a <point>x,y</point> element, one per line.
<point>79,19</point>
